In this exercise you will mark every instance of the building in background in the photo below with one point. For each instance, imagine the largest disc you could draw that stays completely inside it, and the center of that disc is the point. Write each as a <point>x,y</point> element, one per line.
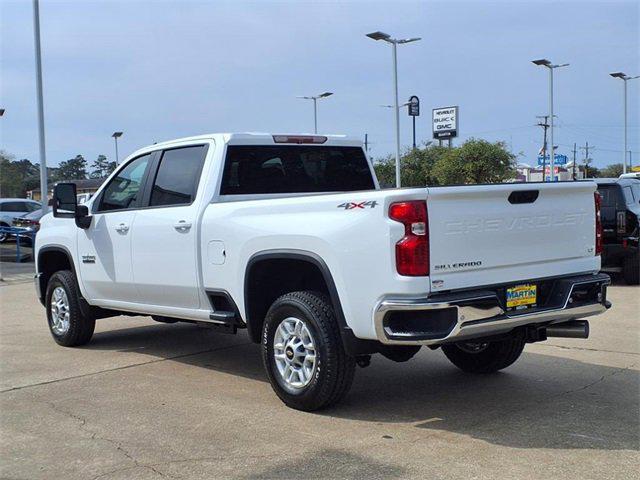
<point>85,186</point>
<point>564,173</point>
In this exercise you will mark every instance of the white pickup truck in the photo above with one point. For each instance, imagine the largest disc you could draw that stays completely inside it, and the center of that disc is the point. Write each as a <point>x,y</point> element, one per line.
<point>290,237</point>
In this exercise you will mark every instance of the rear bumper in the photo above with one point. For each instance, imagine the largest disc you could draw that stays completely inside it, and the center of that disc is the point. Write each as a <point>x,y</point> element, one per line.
<point>447,318</point>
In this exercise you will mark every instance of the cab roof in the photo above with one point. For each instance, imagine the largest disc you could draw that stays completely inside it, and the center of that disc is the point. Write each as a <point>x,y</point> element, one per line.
<point>259,138</point>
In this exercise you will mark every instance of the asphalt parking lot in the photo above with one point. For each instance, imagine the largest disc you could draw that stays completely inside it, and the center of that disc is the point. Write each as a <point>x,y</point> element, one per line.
<point>149,401</point>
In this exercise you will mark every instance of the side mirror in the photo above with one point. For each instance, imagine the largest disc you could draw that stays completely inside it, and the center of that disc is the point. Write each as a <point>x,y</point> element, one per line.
<point>65,205</point>
<point>64,200</point>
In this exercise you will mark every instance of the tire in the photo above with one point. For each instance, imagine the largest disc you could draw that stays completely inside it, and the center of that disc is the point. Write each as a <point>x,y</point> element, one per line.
<point>487,357</point>
<point>330,377</point>
<point>631,269</point>
<point>76,329</point>
<point>3,236</point>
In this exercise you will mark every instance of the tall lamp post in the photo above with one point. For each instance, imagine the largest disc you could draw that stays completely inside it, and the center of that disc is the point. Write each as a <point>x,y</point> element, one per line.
<point>315,107</point>
<point>546,63</point>
<point>116,136</point>
<point>44,189</point>
<point>394,43</point>
<point>624,77</point>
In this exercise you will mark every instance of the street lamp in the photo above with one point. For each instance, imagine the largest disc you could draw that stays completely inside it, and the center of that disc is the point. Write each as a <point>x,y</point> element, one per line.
<point>315,107</point>
<point>394,43</point>
<point>44,188</point>
<point>625,78</point>
<point>116,136</point>
<point>546,63</point>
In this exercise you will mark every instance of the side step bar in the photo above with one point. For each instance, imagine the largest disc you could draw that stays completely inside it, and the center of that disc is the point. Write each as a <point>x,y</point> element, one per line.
<point>223,321</point>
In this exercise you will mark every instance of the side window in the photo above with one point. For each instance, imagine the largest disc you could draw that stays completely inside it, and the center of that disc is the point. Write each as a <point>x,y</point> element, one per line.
<point>124,189</point>
<point>176,182</point>
<point>13,207</point>
<point>32,207</point>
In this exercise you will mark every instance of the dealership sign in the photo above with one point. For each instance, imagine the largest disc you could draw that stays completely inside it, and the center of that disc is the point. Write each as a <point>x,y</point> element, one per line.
<point>414,106</point>
<point>445,122</point>
<point>557,160</point>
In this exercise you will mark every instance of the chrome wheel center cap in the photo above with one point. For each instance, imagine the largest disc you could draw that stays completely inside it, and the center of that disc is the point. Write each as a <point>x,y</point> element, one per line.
<point>294,352</point>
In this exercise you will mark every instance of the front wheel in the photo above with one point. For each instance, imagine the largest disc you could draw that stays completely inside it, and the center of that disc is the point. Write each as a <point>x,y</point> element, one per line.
<point>68,326</point>
<point>303,353</point>
<point>484,357</point>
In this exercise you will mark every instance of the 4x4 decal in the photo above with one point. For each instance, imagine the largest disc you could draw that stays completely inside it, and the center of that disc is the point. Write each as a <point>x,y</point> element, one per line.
<point>354,205</point>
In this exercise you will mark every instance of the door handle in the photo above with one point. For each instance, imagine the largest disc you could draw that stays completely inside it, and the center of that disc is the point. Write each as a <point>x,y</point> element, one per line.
<point>122,228</point>
<point>182,226</point>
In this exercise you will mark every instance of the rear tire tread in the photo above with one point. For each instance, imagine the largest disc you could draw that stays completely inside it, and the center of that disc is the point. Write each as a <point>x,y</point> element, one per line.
<point>340,367</point>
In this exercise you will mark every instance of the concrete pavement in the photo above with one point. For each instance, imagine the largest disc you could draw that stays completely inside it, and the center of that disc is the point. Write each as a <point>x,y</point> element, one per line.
<point>146,401</point>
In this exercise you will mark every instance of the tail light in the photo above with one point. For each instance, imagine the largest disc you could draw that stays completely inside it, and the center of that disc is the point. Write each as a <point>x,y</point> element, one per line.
<point>598,203</point>
<point>412,251</point>
<point>621,218</point>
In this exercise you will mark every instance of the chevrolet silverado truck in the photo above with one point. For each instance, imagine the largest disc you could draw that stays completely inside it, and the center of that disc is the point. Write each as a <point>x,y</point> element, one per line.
<point>291,238</point>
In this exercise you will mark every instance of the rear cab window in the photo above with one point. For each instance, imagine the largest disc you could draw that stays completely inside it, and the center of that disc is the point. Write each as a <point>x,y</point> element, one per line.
<point>282,169</point>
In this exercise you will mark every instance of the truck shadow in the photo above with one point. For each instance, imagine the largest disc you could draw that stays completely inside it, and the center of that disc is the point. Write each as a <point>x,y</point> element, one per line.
<point>543,401</point>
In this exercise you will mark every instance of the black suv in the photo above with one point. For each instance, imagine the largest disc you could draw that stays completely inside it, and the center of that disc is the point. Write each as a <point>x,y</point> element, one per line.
<point>620,223</point>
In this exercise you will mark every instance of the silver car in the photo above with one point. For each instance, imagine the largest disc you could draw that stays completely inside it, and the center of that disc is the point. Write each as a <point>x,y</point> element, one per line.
<point>11,208</point>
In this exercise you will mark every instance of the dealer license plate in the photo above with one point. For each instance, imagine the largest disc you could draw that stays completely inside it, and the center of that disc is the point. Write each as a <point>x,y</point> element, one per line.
<point>522,296</point>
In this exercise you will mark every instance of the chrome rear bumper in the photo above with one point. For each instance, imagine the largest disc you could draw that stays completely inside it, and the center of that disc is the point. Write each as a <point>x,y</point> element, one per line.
<point>459,316</point>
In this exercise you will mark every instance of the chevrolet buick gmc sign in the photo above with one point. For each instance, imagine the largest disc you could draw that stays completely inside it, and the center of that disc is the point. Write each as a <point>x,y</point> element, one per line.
<point>445,122</point>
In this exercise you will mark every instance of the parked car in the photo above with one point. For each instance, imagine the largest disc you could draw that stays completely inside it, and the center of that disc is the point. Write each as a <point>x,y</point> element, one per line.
<point>14,207</point>
<point>29,224</point>
<point>290,237</point>
<point>620,223</point>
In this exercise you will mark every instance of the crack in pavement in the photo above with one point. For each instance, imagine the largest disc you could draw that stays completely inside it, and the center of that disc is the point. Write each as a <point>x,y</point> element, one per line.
<point>563,347</point>
<point>116,444</point>
<point>489,420</point>
<point>124,367</point>
<point>601,379</point>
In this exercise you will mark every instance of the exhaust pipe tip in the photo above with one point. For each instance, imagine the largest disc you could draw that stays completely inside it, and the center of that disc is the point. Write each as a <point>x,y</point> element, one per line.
<point>572,329</point>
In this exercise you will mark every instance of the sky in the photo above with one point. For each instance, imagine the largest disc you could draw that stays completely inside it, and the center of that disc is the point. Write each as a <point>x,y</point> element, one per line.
<point>168,69</point>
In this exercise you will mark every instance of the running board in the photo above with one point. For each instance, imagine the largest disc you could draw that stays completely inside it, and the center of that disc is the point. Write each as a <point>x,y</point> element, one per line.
<point>223,322</point>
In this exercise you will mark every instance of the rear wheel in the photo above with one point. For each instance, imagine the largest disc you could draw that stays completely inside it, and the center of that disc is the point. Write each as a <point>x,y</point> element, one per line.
<point>67,324</point>
<point>303,353</point>
<point>484,357</point>
<point>631,269</point>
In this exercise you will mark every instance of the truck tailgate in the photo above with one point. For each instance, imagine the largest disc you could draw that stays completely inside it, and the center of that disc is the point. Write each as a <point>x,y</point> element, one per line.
<point>489,234</point>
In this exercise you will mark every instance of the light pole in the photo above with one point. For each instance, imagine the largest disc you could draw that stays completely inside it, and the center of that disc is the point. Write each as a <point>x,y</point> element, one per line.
<point>44,189</point>
<point>394,43</point>
<point>116,136</point>
<point>624,77</point>
<point>315,107</point>
<point>546,63</point>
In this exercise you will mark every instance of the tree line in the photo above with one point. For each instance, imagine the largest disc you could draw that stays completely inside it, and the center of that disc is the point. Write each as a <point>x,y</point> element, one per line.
<point>19,176</point>
<point>475,161</point>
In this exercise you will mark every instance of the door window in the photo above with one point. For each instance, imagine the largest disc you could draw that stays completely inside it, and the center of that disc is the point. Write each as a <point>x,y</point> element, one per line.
<point>176,182</point>
<point>123,190</point>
